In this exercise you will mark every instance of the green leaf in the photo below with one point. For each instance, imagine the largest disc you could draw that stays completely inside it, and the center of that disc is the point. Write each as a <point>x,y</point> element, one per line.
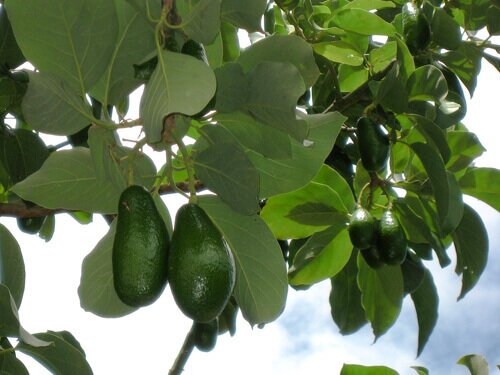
<point>261,281</point>
<point>274,89</point>
<point>471,245</point>
<point>61,357</point>
<point>493,20</point>
<point>179,84</point>
<point>362,22</point>
<point>451,110</point>
<point>11,365</point>
<point>10,54</point>
<point>68,180</point>
<point>232,88</point>
<point>71,41</point>
<point>135,41</point>
<point>22,153</point>
<point>12,272</point>
<point>427,83</point>
<point>322,256</point>
<point>51,106</point>
<point>352,77</point>
<point>391,92</point>
<point>380,58</point>
<point>226,170</point>
<point>482,183</point>
<point>476,364</point>
<point>413,273</point>
<point>244,15</point>
<point>444,185</point>
<point>382,295</point>
<point>345,299</point>
<point>48,228</point>
<point>340,52</point>
<point>310,209</point>
<point>281,176</point>
<point>369,4</point>
<point>285,49</point>
<point>445,30</point>
<point>420,370</point>
<point>366,370</point>
<point>465,148</point>
<point>201,19</point>
<point>426,301</point>
<point>97,291</point>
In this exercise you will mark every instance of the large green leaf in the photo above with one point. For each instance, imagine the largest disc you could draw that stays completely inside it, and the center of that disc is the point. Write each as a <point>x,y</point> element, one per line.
<point>476,364</point>
<point>135,41</point>
<point>445,30</point>
<point>12,272</point>
<point>63,356</point>
<point>68,180</point>
<point>340,52</point>
<point>53,107</point>
<point>11,365</point>
<point>243,14</point>
<point>345,299</point>
<point>482,183</point>
<point>232,88</point>
<point>97,291</point>
<point>261,280</point>
<point>352,77</point>
<point>465,148</point>
<point>10,54</point>
<point>322,256</point>
<point>226,170</point>
<point>201,19</point>
<point>382,295</point>
<point>369,4</point>
<point>72,42</point>
<point>284,49</point>
<point>471,245</point>
<point>281,176</point>
<point>366,370</point>
<point>362,22</point>
<point>179,84</point>
<point>427,83</point>
<point>426,301</point>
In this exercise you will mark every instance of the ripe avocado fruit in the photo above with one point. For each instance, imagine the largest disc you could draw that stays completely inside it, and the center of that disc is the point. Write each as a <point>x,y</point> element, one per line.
<point>373,144</point>
<point>362,228</point>
<point>416,28</point>
<point>371,256</point>
<point>30,225</point>
<point>205,335</point>
<point>140,249</point>
<point>391,240</point>
<point>201,267</point>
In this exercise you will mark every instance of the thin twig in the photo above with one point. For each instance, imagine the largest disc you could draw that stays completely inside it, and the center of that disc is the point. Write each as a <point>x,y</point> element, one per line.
<point>184,353</point>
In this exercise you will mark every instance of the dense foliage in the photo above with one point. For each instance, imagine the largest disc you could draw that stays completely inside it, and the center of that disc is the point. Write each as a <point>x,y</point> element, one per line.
<point>336,108</point>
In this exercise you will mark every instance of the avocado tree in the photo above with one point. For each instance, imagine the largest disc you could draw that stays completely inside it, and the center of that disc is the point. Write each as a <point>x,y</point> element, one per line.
<point>331,147</point>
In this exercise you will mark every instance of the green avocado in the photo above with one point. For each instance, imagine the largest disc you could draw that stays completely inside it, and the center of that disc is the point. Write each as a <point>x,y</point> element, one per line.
<point>416,28</point>
<point>201,267</point>
<point>372,257</point>
<point>30,225</point>
<point>140,249</point>
<point>195,49</point>
<point>362,228</point>
<point>373,144</point>
<point>391,240</point>
<point>205,335</point>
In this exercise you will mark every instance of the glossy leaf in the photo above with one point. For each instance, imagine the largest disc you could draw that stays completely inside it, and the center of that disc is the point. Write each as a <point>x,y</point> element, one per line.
<point>245,15</point>
<point>382,295</point>
<point>471,244</point>
<point>179,84</point>
<point>445,30</point>
<point>338,51</point>
<point>476,364</point>
<point>391,92</point>
<point>366,370</point>
<point>420,370</point>
<point>369,4</point>
<point>200,19</point>
<point>426,302</point>
<point>61,357</point>
<point>465,148</point>
<point>322,256</point>
<point>10,54</point>
<point>97,291</point>
<point>259,261</point>
<point>482,183</point>
<point>380,58</point>
<point>12,271</point>
<point>345,299</point>
<point>71,41</point>
<point>362,22</point>
<point>226,170</point>
<point>352,77</point>
<point>427,83</point>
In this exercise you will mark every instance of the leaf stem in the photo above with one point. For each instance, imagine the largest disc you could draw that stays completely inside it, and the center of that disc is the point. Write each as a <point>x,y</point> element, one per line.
<point>169,173</point>
<point>189,167</point>
<point>184,353</point>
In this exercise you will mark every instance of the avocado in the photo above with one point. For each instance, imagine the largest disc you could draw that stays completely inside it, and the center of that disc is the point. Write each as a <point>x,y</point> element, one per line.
<point>362,227</point>
<point>205,335</point>
<point>201,267</point>
<point>391,240</point>
<point>195,49</point>
<point>30,225</point>
<point>371,256</point>
<point>140,249</point>
<point>373,144</point>
<point>416,28</point>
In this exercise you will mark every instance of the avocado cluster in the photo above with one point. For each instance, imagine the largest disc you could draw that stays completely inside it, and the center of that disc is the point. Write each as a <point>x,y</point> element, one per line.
<point>197,262</point>
<point>379,241</point>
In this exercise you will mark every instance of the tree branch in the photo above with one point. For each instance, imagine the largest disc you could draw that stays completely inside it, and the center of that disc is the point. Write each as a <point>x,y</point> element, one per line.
<point>22,210</point>
<point>184,353</point>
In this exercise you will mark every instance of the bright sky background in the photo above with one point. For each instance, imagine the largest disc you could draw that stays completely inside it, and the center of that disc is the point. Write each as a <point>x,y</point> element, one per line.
<point>304,340</point>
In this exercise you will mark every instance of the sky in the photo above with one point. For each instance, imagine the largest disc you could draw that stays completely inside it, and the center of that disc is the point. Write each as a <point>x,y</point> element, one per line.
<point>304,340</point>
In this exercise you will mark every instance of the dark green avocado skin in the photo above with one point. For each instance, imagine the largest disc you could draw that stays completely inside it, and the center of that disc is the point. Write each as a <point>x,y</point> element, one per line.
<point>373,145</point>
<point>391,240</point>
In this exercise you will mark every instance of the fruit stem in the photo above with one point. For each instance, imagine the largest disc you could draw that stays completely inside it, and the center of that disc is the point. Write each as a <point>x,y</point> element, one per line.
<point>131,157</point>
<point>184,353</point>
<point>169,174</point>
<point>189,168</point>
<point>362,192</point>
